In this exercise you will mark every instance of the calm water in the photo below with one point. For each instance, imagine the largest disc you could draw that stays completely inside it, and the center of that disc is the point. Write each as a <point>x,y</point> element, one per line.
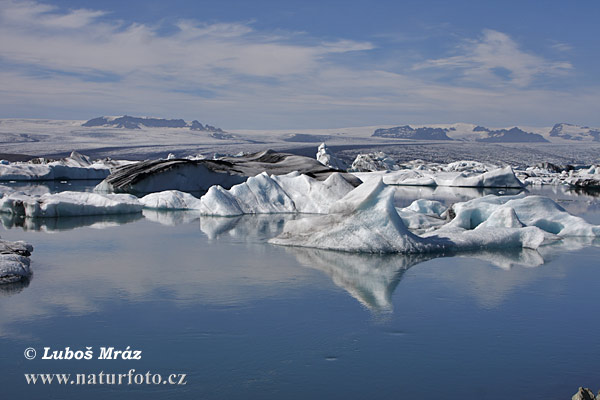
<point>208,297</point>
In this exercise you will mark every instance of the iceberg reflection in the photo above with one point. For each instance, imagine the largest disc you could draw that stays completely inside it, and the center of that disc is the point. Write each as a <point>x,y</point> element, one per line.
<point>372,278</point>
<point>11,221</point>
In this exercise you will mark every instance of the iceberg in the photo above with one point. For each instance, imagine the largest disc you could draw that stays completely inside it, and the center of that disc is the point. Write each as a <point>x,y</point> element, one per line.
<point>511,211</point>
<point>497,178</point>
<point>198,175</point>
<point>14,261</point>
<point>69,204</point>
<point>170,200</point>
<point>373,162</point>
<point>366,221</point>
<point>328,159</point>
<point>74,167</point>
<point>264,194</point>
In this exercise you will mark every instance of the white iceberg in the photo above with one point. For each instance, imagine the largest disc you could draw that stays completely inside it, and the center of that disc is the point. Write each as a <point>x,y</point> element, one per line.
<point>328,159</point>
<point>69,204</point>
<point>365,220</point>
<point>74,167</point>
<point>497,178</point>
<point>170,200</point>
<point>373,162</point>
<point>511,211</point>
<point>264,194</point>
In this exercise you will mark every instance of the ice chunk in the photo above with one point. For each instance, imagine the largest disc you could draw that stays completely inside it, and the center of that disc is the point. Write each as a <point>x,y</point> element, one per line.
<point>429,207</point>
<point>531,211</point>
<point>218,201</point>
<point>74,167</point>
<point>501,177</point>
<point>328,159</point>
<point>419,221</point>
<point>365,220</point>
<point>373,162</point>
<point>264,194</point>
<point>170,200</point>
<point>14,261</point>
<point>67,204</point>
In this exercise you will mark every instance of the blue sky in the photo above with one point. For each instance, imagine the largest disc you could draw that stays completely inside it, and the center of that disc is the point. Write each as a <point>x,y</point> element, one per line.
<point>303,64</point>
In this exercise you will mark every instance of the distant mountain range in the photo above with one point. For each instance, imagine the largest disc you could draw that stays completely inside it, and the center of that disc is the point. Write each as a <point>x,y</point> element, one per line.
<point>128,122</point>
<point>513,135</point>
<point>407,132</point>
<point>575,132</point>
<point>562,132</point>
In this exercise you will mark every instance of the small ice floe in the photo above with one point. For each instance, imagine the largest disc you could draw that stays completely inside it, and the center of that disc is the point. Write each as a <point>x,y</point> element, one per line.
<point>14,261</point>
<point>365,220</point>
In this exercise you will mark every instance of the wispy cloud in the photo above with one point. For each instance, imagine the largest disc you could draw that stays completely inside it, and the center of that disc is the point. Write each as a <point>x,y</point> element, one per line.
<point>86,62</point>
<point>496,58</point>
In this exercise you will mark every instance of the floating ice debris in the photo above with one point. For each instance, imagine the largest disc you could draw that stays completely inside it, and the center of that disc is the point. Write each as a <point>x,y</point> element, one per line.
<point>14,261</point>
<point>328,159</point>
<point>498,178</point>
<point>551,174</point>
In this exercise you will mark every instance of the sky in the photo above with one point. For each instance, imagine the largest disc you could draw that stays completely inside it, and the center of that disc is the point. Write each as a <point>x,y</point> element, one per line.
<point>267,64</point>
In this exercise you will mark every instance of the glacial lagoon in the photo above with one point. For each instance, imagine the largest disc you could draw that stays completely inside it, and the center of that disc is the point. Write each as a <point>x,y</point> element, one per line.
<point>242,318</point>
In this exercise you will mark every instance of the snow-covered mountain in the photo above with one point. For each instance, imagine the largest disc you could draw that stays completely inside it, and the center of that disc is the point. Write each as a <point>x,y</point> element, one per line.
<point>513,135</point>
<point>575,132</point>
<point>129,122</point>
<point>466,132</point>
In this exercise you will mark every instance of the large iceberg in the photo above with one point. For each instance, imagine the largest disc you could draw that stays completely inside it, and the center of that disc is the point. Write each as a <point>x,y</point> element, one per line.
<point>365,220</point>
<point>198,175</point>
<point>14,261</point>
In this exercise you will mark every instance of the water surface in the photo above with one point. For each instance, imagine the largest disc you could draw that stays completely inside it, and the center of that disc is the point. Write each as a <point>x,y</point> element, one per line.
<point>244,319</point>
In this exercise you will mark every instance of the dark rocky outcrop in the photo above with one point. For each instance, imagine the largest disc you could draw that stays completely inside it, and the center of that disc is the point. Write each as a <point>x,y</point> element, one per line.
<point>584,394</point>
<point>129,122</point>
<point>408,132</point>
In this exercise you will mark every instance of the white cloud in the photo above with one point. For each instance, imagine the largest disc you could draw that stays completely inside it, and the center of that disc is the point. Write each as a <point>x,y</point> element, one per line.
<point>497,58</point>
<point>82,63</point>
